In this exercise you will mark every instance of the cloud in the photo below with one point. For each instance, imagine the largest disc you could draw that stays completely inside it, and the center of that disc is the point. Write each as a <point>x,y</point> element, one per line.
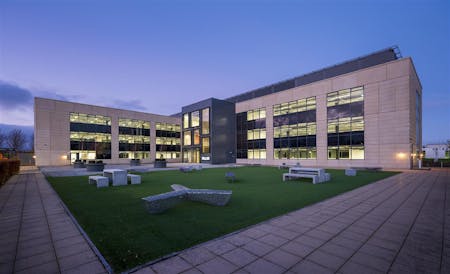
<point>16,102</point>
<point>14,97</point>
<point>135,105</point>
<point>51,95</point>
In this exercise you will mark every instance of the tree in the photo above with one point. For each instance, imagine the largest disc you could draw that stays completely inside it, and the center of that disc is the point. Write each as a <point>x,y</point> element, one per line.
<point>16,139</point>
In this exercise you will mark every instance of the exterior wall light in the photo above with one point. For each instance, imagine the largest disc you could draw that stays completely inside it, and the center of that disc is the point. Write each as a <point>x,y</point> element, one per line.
<point>401,155</point>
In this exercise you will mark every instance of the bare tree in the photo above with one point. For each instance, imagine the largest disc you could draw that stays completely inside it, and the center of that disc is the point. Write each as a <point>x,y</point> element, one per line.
<point>16,139</point>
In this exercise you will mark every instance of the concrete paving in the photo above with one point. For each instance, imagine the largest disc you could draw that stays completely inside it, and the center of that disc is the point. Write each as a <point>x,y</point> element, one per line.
<point>36,233</point>
<point>397,225</point>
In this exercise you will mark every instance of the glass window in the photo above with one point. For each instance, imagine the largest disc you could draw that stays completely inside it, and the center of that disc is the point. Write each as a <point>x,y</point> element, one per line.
<point>276,110</point>
<point>186,120</point>
<point>262,113</point>
<point>262,154</point>
<point>131,123</point>
<point>187,138</point>
<point>205,121</point>
<point>196,137</point>
<point>249,134</point>
<point>195,118</point>
<point>284,108</point>
<point>263,134</point>
<point>249,115</point>
<point>357,153</point>
<point>357,94</point>
<point>205,145</point>
<point>346,124</point>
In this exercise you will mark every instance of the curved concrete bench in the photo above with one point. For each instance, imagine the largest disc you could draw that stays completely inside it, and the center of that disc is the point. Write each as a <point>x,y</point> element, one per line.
<point>161,202</point>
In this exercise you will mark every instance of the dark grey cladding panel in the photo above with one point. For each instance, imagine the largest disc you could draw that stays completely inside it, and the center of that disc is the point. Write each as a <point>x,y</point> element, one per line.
<point>284,85</point>
<point>198,105</point>
<point>370,60</point>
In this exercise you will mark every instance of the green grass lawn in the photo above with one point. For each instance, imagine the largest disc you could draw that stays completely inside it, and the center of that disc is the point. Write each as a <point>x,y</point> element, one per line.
<point>117,222</point>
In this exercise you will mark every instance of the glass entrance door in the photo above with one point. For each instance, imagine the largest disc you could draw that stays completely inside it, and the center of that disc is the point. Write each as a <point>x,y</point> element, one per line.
<point>191,155</point>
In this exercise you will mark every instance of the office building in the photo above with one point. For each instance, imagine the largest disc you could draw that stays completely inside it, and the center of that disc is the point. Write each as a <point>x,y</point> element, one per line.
<point>365,112</point>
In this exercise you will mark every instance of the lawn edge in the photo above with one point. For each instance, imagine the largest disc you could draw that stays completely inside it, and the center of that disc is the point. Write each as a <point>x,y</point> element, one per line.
<point>97,252</point>
<point>173,254</point>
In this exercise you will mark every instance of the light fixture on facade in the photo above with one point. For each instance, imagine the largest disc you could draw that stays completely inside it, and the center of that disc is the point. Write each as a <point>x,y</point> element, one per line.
<point>401,155</point>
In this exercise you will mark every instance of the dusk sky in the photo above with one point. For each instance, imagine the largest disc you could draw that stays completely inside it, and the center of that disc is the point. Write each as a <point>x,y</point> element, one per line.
<point>157,56</point>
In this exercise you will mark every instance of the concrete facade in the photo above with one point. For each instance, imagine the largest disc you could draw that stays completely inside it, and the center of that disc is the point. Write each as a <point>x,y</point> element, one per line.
<point>392,117</point>
<point>52,129</point>
<point>389,114</point>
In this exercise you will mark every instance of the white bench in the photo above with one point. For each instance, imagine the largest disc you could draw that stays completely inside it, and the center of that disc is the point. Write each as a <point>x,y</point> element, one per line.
<point>317,175</point>
<point>99,180</point>
<point>287,176</point>
<point>134,179</point>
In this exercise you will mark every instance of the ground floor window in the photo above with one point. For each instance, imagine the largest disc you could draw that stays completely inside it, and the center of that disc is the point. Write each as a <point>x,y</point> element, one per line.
<point>134,154</point>
<point>346,152</point>
<point>167,154</point>
<point>295,153</point>
<point>256,154</point>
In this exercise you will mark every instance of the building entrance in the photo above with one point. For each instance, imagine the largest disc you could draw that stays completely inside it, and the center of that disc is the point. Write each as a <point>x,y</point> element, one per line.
<point>191,155</point>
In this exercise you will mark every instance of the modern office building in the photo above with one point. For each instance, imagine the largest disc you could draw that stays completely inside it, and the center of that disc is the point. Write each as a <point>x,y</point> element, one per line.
<point>365,112</point>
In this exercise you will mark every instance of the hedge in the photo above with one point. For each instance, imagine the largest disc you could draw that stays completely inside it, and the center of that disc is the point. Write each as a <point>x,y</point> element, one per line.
<point>8,168</point>
<point>427,162</point>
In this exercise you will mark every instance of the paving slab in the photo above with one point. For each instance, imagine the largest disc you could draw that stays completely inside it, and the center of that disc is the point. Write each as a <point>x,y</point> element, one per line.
<point>397,225</point>
<point>41,237</point>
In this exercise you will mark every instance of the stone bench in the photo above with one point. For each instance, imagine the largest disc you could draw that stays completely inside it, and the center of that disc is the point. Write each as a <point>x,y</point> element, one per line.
<point>230,176</point>
<point>186,169</point>
<point>134,179</point>
<point>161,202</point>
<point>287,176</point>
<point>99,180</point>
<point>350,172</point>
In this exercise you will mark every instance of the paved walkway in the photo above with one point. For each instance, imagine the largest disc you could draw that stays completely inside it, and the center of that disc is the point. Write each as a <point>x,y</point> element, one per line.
<point>36,234</point>
<point>398,225</point>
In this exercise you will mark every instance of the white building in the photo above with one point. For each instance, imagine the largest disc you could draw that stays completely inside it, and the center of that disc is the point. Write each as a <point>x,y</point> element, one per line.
<point>436,151</point>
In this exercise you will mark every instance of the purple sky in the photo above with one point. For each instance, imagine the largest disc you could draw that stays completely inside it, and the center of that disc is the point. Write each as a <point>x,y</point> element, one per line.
<point>157,56</point>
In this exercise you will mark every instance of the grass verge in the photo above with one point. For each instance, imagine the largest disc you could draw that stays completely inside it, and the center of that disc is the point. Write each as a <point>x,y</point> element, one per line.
<point>118,224</point>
